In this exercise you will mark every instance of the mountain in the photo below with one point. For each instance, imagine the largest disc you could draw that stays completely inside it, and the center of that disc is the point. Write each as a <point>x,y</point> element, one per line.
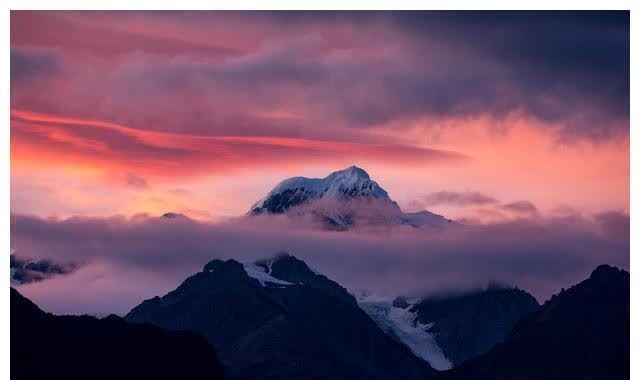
<point>351,182</point>
<point>465,325</point>
<point>44,346</point>
<point>279,319</point>
<point>340,200</point>
<point>401,325</point>
<point>581,333</point>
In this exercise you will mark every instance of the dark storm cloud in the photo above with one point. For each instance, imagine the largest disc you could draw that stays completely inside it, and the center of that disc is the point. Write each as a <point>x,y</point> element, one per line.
<point>540,255</point>
<point>547,63</point>
<point>556,61</point>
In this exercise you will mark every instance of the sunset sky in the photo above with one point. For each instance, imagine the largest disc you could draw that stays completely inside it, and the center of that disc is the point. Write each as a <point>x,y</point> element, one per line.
<point>202,113</point>
<point>480,117</point>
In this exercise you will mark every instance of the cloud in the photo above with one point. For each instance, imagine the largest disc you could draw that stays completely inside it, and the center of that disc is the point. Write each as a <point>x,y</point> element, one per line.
<point>468,198</point>
<point>128,260</point>
<point>614,223</point>
<point>111,146</point>
<point>33,64</point>
<point>478,207</point>
<point>550,62</point>
<point>520,207</point>
<point>337,72</point>
<point>70,31</point>
<point>136,181</point>
<point>24,271</point>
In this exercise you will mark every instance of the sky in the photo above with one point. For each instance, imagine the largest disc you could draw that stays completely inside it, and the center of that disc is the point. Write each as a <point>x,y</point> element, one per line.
<point>501,120</point>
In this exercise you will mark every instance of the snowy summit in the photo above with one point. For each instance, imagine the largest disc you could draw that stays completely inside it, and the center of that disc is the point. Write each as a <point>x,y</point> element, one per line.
<point>342,184</point>
<point>340,200</point>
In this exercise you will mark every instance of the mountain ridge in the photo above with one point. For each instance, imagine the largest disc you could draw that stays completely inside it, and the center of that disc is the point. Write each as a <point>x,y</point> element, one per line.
<point>580,333</point>
<point>470,323</point>
<point>283,328</point>
<point>79,347</point>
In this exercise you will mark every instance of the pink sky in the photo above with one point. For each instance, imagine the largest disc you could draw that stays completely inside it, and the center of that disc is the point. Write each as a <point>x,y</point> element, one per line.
<point>202,113</point>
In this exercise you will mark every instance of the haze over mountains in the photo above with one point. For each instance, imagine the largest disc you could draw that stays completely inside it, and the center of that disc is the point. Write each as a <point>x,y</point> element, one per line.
<point>375,239</point>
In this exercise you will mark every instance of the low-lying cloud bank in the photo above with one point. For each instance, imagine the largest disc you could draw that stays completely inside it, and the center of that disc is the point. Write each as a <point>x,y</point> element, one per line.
<point>128,260</point>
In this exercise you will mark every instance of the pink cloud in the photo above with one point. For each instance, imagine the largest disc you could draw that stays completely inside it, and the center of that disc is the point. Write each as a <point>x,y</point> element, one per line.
<point>111,146</point>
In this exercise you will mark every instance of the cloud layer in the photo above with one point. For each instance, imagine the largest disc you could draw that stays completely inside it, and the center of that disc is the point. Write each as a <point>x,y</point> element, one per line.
<point>128,260</point>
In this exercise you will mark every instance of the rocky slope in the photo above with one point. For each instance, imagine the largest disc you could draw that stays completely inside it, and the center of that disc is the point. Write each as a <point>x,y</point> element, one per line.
<point>581,333</point>
<point>278,319</point>
<point>469,324</point>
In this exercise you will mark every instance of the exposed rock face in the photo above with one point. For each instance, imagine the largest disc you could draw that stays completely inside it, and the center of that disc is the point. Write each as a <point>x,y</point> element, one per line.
<point>278,319</point>
<point>470,324</point>
<point>581,333</point>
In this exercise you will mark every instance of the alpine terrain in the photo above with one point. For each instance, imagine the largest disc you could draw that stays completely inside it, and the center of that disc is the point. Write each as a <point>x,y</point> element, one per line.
<point>580,333</point>
<point>278,319</point>
<point>341,200</point>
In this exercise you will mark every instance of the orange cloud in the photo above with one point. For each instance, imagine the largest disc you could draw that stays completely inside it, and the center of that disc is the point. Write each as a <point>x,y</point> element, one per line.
<point>41,140</point>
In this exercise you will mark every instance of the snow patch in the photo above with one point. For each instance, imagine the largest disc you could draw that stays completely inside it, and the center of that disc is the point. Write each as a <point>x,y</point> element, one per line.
<point>260,274</point>
<point>401,325</point>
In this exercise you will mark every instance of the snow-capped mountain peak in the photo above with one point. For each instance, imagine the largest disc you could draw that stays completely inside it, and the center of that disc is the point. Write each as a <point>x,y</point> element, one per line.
<point>348,183</point>
<point>340,200</point>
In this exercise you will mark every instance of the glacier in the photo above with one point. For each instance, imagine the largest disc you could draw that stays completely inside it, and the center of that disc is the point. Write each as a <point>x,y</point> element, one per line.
<point>400,324</point>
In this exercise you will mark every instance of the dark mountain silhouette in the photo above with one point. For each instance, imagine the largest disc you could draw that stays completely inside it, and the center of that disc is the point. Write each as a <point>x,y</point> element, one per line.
<point>466,325</point>
<point>278,319</point>
<point>581,333</point>
<point>44,346</point>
